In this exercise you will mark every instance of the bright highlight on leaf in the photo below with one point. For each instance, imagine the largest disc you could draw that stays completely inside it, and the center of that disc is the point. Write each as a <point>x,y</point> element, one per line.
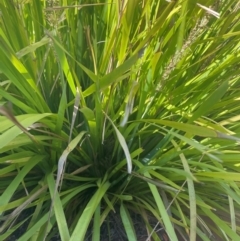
<point>106,89</point>
<point>63,158</point>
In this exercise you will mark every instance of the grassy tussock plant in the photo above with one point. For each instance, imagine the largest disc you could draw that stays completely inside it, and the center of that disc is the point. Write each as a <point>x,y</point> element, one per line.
<point>119,111</point>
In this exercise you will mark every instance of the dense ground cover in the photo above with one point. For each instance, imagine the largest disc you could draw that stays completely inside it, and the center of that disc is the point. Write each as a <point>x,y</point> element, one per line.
<point>119,106</point>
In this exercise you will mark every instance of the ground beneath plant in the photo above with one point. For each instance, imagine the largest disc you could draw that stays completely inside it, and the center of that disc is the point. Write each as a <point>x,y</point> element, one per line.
<point>111,229</point>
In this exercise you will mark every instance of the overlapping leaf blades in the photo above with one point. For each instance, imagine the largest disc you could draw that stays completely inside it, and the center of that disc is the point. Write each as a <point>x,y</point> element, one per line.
<point>180,136</point>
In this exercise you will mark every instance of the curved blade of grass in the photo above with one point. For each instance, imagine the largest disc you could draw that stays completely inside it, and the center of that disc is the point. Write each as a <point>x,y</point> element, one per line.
<point>23,140</point>
<point>193,129</point>
<point>63,158</point>
<point>127,223</point>
<point>83,223</point>
<point>23,154</point>
<point>13,132</point>
<point>121,163</point>
<point>157,183</point>
<point>124,146</point>
<point>7,111</point>
<point>151,169</point>
<point>88,113</point>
